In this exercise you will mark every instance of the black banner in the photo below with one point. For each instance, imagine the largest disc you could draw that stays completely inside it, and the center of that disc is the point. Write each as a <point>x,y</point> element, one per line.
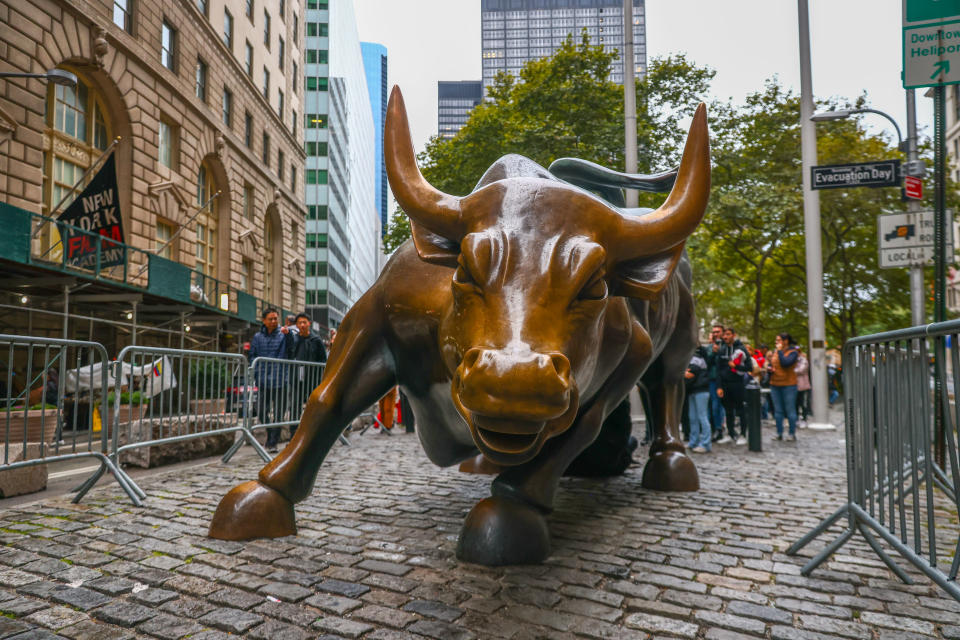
<point>97,211</point>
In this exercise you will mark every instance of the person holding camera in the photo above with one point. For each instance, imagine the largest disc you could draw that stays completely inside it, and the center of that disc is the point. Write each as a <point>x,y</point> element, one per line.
<point>781,363</point>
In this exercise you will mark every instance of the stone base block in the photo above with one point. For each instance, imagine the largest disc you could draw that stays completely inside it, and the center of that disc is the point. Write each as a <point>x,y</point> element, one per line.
<point>16,482</point>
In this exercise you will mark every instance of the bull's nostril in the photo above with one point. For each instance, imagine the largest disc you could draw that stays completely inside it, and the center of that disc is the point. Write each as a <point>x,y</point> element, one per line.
<point>562,366</point>
<point>470,358</point>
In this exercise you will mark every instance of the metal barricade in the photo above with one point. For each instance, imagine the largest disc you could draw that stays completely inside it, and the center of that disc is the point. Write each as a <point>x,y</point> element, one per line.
<point>175,395</point>
<point>282,388</point>
<point>902,456</point>
<point>53,405</point>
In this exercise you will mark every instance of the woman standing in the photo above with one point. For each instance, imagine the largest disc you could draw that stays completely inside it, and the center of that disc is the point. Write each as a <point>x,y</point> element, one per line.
<point>783,383</point>
<point>802,369</point>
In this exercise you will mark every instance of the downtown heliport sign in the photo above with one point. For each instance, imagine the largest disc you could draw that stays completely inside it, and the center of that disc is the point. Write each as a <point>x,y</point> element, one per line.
<point>931,43</point>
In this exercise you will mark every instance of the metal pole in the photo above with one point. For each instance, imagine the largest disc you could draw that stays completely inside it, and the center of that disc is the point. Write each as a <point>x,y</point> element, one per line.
<point>629,102</point>
<point>811,220</point>
<point>183,318</point>
<point>66,312</point>
<point>133,324</point>
<point>940,254</point>
<point>917,308</point>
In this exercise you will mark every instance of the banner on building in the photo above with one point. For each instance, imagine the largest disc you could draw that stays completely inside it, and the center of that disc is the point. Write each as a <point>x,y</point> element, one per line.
<point>97,212</point>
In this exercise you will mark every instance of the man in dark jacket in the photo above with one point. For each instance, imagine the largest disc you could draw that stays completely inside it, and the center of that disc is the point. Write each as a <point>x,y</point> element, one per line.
<point>307,347</point>
<point>272,341</point>
<point>716,406</point>
<point>732,362</point>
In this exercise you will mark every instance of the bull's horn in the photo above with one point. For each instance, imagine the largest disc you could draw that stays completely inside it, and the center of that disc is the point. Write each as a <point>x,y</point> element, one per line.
<point>434,209</point>
<point>679,216</point>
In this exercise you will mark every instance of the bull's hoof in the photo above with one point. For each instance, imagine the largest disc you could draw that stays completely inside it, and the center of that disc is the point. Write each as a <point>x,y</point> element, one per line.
<point>479,464</point>
<point>500,531</point>
<point>670,471</point>
<point>253,510</point>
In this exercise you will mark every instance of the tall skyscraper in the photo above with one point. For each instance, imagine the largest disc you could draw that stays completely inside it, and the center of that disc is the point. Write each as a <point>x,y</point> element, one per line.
<point>375,65</point>
<point>343,227</point>
<point>454,101</point>
<point>515,31</point>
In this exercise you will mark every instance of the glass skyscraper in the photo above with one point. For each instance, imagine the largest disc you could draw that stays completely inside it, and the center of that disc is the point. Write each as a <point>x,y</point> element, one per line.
<point>454,102</point>
<point>343,227</point>
<point>515,31</point>
<point>375,65</point>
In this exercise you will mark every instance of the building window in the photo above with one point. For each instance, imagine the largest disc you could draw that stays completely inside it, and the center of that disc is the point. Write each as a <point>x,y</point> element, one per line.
<point>315,148</point>
<point>248,59</point>
<point>315,29</point>
<point>123,14</point>
<point>266,149</point>
<point>168,144</point>
<point>317,56</point>
<point>168,46</point>
<point>266,28</point>
<point>248,130</point>
<point>228,29</point>
<point>250,10</point>
<point>246,268</point>
<point>317,121</point>
<point>296,78</point>
<point>227,107</point>
<point>316,176</point>
<point>280,104</point>
<point>283,9</point>
<point>293,177</point>
<point>296,27</point>
<point>75,122</point>
<point>248,201</point>
<point>293,122</point>
<point>206,223</point>
<point>202,6</point>
<point>317,84</point>
<point>280,47</point>
<point>266,83</point>
<point>164,248</point>
<point>281,164</point>
<point>269,255</point>
<point>201,84</point>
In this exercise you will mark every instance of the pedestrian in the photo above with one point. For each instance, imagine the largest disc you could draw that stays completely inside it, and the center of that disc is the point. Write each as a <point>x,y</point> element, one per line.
<point>698,397</point>
<point>781,363</point>
<point>308,347</point>
<point>271,341</point>
<point>732,363</point>
<point>716,407</point>
<point>802,368</point>
<point>766,404</point>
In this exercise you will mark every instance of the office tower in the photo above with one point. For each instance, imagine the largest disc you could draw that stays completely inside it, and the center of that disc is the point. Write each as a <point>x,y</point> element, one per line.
<point>454,102</point>
<point>516,31</point>
<point>343,227</point>
<point>375,65</point>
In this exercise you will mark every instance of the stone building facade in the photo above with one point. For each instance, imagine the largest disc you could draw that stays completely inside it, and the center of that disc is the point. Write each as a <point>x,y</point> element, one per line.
<point>204,96</point>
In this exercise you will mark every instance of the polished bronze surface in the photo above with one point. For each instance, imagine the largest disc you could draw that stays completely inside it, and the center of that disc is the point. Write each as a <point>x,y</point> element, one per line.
<point>515,320</point>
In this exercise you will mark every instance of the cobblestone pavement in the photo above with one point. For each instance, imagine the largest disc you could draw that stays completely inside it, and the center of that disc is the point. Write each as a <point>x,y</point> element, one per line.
<point>375,559</point>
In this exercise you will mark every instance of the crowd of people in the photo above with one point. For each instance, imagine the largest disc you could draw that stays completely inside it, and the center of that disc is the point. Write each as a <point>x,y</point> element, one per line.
<point>719,375</point>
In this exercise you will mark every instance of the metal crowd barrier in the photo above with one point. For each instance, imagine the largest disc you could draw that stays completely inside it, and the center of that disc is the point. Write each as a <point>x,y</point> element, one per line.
<point>279,390</point>
<point>53,405</point>
<point>902,455</point>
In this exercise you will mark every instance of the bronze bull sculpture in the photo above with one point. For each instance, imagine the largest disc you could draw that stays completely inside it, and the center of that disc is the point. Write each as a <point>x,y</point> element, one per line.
<point>515,320</point>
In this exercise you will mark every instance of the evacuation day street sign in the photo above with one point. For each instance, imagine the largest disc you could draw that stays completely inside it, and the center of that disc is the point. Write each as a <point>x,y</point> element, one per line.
<point>931,43</point>
<point>883,173</point>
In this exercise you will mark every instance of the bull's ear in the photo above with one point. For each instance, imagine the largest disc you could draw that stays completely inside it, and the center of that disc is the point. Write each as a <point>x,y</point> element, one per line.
<point>646,277</point>
<point>433,247</point>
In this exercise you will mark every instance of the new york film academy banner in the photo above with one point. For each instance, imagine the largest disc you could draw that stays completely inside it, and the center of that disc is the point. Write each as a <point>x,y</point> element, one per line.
<point>97,211</point>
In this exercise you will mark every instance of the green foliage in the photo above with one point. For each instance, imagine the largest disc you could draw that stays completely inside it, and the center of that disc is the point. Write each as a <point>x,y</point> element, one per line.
<point>128,398</point>
<point>208,378</point>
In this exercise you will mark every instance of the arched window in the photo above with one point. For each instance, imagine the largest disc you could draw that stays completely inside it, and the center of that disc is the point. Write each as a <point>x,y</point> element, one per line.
<point>268,275</point>
<point>206,223</point>
<point>77,132</point>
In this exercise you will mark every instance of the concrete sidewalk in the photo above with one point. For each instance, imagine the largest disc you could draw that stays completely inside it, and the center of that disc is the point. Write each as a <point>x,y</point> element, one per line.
<point>375,559</point>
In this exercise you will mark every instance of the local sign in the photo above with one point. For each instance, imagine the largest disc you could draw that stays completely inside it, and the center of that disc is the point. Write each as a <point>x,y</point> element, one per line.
<point>913,187</point>
<point>906,239</point>
<point>885,173</point>
<point>931,43</point>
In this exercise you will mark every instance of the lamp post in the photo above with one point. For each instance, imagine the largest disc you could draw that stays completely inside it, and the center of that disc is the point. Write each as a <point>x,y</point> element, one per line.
<point>914,167</point>
<point>56,76</point>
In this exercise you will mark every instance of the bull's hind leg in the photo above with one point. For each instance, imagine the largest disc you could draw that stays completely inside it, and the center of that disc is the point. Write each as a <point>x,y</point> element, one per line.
<point>510,527</point>
<point>669,468</point>
<point>360,371</point>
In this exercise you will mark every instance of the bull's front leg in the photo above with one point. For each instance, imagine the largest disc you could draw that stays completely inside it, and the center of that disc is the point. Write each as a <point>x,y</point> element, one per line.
<point>510,527</point>
<point>360,370</point>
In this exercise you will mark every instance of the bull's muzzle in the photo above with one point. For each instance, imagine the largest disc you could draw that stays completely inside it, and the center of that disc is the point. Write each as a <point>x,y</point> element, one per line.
<point>513,401</point>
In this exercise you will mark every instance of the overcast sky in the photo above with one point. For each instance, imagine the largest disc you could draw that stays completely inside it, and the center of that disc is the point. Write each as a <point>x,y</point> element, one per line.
<point>855,48</point>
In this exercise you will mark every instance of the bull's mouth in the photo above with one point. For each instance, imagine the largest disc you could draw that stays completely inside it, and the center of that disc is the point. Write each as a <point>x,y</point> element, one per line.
<point>507,436</point>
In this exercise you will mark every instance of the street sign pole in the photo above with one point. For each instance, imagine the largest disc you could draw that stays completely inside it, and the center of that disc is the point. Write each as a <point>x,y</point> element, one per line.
<point>940,298</point>
<point>917,310</point>
<point>812,233</point>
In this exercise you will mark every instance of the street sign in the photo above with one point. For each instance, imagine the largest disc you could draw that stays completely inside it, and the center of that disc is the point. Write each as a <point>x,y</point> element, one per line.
<point>931,43</point>
<point>913,187</point>
<point>906,239</point>
<point>884,173</point>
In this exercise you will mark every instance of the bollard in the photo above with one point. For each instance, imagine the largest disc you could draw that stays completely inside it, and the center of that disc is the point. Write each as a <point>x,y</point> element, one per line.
<point>754,440</point>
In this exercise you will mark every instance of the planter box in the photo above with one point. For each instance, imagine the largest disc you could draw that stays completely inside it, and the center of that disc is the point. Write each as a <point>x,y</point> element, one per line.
<point>154,429</point>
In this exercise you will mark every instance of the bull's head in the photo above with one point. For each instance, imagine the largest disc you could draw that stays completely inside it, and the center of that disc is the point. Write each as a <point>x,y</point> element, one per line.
<point>535,263</point>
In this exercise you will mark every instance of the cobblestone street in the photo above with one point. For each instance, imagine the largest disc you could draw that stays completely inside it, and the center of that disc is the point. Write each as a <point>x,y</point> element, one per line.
<point>375,559</point>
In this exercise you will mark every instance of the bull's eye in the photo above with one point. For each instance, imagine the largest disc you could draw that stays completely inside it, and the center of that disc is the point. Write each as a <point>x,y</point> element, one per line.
<point>596,290</point>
